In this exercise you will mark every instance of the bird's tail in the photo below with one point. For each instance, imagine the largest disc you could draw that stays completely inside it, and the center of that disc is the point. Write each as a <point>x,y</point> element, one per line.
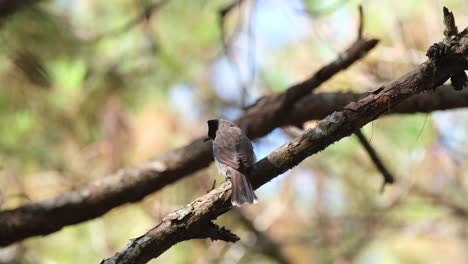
<point>242,191</point>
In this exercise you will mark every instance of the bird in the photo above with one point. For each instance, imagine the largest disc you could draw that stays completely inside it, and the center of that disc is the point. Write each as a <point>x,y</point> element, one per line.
<point>234,156</point>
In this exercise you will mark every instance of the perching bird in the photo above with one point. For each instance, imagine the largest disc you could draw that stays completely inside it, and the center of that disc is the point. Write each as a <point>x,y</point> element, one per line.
<point>234,156</point>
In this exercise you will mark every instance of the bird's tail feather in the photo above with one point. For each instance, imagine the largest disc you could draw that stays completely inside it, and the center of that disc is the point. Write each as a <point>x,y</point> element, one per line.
<point>242,191</point>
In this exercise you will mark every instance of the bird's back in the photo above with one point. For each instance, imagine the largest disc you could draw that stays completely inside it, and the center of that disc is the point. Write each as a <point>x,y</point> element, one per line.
<point>232,148</point>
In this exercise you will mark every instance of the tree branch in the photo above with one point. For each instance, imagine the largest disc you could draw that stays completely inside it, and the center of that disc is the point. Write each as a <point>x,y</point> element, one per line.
<point>387,176</point>
<point>329,130</point>
<point>145,15</point>
<point>132,184</point>
<point>222,14</point>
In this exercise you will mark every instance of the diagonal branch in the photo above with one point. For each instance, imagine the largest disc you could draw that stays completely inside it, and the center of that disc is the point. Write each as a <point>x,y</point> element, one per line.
<point>329,130</point>
<point>387,176</point>
<point>145,15</point>
<point>132,184</point>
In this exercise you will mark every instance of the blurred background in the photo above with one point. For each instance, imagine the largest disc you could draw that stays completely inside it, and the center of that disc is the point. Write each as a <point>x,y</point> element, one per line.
<point>87,87</point>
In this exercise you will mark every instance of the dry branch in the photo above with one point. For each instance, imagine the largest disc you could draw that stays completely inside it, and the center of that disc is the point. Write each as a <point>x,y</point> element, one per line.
<point>145,15</point>
<point>387,176</point>
<point>189,221</point>
<point>131,185</point>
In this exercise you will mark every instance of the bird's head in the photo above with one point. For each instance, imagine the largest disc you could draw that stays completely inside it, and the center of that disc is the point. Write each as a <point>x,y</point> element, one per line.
<point>213,126</point>
<point>217,124</point>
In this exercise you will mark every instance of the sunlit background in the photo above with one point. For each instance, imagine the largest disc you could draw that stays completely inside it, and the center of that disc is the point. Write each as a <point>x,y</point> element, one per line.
<point>88,87</point>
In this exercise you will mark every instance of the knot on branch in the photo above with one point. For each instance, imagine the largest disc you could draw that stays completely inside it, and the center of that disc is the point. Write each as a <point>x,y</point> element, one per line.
<point>440,51</point>
<point>459,81</point>
<point>449,22</point>
<point>450,49</point>
<point>208,229</point>
<point>437,51</point>
<point>215,232</point>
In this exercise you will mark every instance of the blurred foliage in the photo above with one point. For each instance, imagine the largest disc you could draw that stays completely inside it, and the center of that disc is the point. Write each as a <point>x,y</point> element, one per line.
<point>88,87</point>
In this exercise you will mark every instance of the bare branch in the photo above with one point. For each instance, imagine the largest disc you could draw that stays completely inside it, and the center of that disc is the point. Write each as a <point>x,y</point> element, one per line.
<point>223,12</point>
<point>353,53</point>
<point>144,15</point>
<point>131,185</point>
<point>226,41</point>
<point>361,22</point>
<point>387,176</point>
<point>329,130</point>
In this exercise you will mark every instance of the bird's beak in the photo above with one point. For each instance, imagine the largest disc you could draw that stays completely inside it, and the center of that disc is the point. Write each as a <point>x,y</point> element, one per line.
<point>206,139</point>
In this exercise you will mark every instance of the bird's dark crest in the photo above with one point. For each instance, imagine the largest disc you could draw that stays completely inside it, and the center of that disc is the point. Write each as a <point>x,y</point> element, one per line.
<point>212,128</point>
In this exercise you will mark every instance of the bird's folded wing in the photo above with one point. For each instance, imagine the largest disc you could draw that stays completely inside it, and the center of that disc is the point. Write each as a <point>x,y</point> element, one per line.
<point>227,156</point>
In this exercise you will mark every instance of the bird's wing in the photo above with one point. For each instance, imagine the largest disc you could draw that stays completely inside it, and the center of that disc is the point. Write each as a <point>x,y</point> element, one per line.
<point>233,148</point>
<point>245,151</point>
<point>226,157</point>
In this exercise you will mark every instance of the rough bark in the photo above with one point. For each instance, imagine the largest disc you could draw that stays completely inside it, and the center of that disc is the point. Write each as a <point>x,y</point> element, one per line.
<point>131,185</point>
<point>205,209</point>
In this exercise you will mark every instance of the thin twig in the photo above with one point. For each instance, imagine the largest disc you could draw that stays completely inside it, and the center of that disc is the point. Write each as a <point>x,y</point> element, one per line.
<point>361,22</point>
<point>387,176</point>
<point>144,15</point>
<point>227,42</point>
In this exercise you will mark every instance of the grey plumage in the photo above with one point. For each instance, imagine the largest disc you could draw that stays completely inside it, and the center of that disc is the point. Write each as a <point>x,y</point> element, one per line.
<point>234,156</point>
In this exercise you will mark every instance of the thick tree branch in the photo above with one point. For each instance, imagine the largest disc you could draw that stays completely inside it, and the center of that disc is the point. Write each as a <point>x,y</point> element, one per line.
<point>318,105</point>
<point>131,185</point>
<point>329,130</point>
